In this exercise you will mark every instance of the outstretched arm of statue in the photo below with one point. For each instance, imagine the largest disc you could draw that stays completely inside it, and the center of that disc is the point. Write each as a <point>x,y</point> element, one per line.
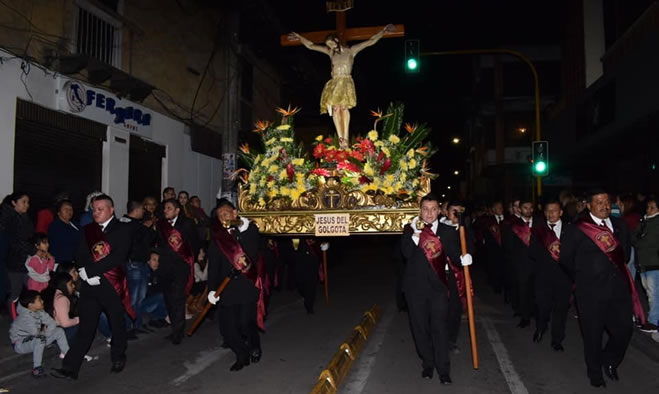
<point>293,36</point>
<point>371,41</point>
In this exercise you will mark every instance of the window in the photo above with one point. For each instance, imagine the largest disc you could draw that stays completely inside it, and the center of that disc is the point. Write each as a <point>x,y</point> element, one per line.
<point>98,33</point>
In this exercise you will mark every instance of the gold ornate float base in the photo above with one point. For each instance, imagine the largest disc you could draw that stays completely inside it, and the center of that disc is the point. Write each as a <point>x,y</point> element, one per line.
<point>369,213</point>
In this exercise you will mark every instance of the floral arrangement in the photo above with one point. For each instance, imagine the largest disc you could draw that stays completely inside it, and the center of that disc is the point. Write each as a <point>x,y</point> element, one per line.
<point>387,161</point>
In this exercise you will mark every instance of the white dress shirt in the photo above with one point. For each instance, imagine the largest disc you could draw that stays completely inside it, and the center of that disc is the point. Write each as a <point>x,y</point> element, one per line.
<point>105,223</point>
<point>599,221</point>
<point>557,228</point>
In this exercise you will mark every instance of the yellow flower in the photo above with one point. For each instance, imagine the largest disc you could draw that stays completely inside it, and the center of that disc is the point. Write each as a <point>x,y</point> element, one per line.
<point>412,164</point>
<point>286,139</point>
<point>394,139</point>
<point>319,138</point>
<point>415,183</point>
<point>368,170</point>
<point>398,185</point>
<point>252,188</point>
<point>285,191</point>
<point>273,168</point>
<point>271,141</point>
<point>297,162</point>
<point>378,143</point>
<point>403,165</point>
<point>373,135</point>
<point>403,177</point>
<point>262,182</point>
<point>283,175</point>
<point>389,190</point>
<point>271,184</point>
<point>390,178</point>
<point>386,182</point>
<point>261,201</point>
<point>284,127</point>
<point>376,181</point>
<point>410,153</point>
<point>295,194</point>
<point>273,192</point>
<point>257,159</point>
<point>301,188</point>
<point>386,151</point>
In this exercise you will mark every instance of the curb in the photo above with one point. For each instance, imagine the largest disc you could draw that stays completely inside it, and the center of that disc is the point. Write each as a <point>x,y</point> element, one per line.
<point>339,366</point>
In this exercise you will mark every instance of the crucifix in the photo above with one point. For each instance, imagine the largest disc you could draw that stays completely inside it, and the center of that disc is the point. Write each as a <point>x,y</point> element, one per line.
<point>339,94</point>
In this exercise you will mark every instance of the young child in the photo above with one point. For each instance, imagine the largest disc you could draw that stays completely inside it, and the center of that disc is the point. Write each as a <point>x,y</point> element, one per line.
<point>40,265</point>
<point>34,329</point>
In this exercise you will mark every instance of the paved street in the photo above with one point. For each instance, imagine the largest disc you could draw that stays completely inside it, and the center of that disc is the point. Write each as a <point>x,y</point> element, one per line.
<point>298,346</point>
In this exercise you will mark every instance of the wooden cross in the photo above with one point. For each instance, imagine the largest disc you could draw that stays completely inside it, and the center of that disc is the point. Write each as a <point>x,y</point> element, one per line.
<point>345,33</point>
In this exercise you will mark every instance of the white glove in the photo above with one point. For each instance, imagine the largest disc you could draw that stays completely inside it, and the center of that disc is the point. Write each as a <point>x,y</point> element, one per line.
<point>324,246</point>
<point>212,298</point>
<point>94,281</point>
<point>83,274</point>
<point>466,260</point>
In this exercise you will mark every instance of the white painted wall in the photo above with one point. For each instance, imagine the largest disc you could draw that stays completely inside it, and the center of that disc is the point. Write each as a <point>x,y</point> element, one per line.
<point>182,168</point>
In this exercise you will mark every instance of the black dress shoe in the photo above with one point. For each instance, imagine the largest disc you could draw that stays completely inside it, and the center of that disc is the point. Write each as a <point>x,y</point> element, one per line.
<point>597,382</point>
<point>557,347</point>
<point>523,323</point>
<point>445,379</point>
<point>427,373</point>
<point>255,357</point>
<point>611,372</point>
<point>537,335</point>
<point>177,339</point>
<point>62,373</point>
<point>118,366</point>
<point>238,365</point>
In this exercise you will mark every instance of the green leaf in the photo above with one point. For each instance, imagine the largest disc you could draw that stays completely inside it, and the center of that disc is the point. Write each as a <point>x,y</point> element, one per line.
<point>391,125</point>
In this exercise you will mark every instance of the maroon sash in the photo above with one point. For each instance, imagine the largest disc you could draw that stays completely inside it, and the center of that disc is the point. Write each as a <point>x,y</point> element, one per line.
<point>610,246</point>
<point>495,229</point>
<point>547,237</point>
<point>234,253</point>
<point>522,230</point>
<point>180,247</point>
<point>460,282</point>
<point>100,248</point>
<point>434,251</point>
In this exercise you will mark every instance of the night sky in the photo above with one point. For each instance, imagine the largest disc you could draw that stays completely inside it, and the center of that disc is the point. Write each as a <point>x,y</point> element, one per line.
<point>441,94</point>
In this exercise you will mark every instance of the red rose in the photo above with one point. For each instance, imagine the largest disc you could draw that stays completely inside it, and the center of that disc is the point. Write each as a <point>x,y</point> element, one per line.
<point>364,179</point>
<point>290,172</point>
<point>385,166</point>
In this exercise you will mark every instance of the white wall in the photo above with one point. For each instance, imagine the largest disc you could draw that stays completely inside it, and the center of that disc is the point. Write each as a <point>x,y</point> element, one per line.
<point>182,168</point>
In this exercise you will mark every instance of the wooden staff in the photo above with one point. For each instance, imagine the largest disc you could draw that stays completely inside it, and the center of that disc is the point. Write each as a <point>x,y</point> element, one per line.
<point>325,276</point>
<point>470,304</point>
<point>208,305</point>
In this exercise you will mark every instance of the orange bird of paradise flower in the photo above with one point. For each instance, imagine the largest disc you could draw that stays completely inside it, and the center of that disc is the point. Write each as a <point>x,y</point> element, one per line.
<point>261,125</point>
<point>411,128</point>
<point>378,117</point>
<point>287,112</point>
<point>244,148</point>
<point>241,174</point>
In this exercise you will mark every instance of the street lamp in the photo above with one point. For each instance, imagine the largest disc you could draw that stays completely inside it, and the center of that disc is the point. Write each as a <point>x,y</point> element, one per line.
<point>456,140</point>
<point>448,187</point>
<point>456,172</point>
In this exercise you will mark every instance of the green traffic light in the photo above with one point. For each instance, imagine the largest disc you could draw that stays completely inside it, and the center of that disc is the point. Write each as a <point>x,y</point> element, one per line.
<point>412,64</point>
<point>540,167</point>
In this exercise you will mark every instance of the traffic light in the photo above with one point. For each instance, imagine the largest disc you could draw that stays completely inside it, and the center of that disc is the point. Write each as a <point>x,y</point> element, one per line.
<point>540,158</point>
<point>412,53</point>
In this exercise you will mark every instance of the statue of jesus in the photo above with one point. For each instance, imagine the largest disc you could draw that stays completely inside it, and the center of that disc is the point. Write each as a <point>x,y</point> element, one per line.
<point>339,92</point>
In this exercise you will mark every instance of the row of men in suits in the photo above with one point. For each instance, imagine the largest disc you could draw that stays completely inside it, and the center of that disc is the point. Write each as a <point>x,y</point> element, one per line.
<point>540,261</point>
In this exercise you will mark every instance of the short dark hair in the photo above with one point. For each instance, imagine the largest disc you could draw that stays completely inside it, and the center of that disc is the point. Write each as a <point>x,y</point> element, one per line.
<point>594,192</point>
<point>224,202</point>
<point>195,196</point>
<point>172,201</point>
<point>456,204</point>
<point>154,251</point>
<point>167,190</point>
<point>27,297</point>
<point>429,197</point>
<point>103,197</point>
<point>132,205</point>
<point>15,196</point>
<point>38,238</point>
<point>184,192</point>
<point>552,201</point>
<point>525,200</point>
<point>61,203</point>
<point>65,266</point>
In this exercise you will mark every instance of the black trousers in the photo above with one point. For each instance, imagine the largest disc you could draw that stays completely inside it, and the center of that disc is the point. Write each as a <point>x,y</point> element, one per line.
<point>454,310</point>
<point>94,300</point>
<point>552,297</point>
<point>174,292</point>
<point>613,315</point>
<point>428,314</point>
<point>525,282</point>
<point>510,283</point>
<point>306,279</point>
<point>239,329</point>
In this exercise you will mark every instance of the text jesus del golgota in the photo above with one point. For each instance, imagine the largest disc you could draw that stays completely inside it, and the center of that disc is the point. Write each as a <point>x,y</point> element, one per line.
<point>332,224</point>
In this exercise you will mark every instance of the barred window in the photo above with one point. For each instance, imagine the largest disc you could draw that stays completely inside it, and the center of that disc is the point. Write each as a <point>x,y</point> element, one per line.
<point>98,34</point>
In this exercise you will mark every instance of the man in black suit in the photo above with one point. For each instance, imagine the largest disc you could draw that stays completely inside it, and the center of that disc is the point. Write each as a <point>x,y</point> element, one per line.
<point>104,250</point>
<point>305,253</point>
<point>178,242</point>
<point>234,251</point>
<point>426,245</point>
<point>552,284</point>
<point>594,250</point>
<point>517,244</point>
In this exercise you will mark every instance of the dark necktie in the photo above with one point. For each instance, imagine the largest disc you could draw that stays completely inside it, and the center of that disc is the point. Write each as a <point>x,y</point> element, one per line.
<point>552,225</point>
<point>603,224</point>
